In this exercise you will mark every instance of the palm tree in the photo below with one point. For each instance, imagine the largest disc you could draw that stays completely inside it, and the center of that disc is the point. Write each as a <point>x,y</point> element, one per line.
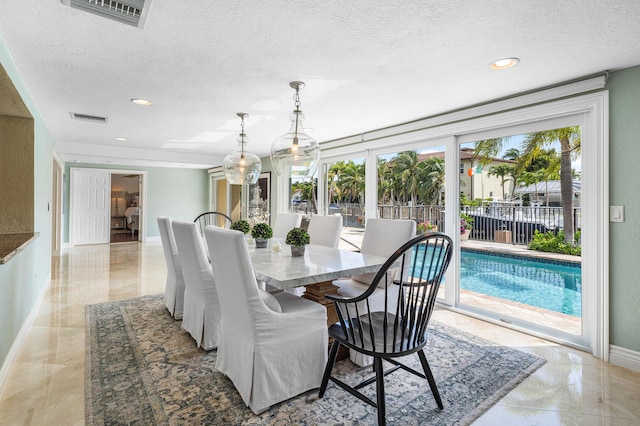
<point>431,177</point>
<point>533,149</point>
<point>502,171</point>
<point>551,172</point>
<point>385,182</point>
<point>511,154</point>
<point>488,149</point>
<point>569,139</point>
<point>406,165</point>
<point>351,182</point>
<point>530,178</point>
<point>333,173</point>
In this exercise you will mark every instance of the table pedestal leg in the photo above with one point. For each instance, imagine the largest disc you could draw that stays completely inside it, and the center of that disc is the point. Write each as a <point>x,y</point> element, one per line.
<point>316,293</point>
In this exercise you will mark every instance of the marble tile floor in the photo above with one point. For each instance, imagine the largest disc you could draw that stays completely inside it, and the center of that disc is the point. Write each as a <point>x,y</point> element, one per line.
<point>46,383</point>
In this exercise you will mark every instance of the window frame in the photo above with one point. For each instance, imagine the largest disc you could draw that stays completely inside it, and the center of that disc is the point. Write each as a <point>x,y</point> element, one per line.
<point>540,108</point>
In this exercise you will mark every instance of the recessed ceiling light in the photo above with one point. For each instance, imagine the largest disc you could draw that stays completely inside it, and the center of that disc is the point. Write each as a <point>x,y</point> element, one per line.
<point>119,138</point>
<point>142,102</point>
<point>504,63</point>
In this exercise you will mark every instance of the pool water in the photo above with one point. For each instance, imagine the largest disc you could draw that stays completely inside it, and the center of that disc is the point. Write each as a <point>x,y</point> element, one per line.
<point>553,286</point>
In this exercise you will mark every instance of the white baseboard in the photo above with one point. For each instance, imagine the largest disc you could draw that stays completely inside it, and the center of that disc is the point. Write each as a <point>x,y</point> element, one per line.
<point>152,239</point>
<point>624,357</point>
<point>22,336</point>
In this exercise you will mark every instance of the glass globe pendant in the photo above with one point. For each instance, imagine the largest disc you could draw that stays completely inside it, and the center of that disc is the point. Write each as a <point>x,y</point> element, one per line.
<point>295,154</point>
<point>242,167</point>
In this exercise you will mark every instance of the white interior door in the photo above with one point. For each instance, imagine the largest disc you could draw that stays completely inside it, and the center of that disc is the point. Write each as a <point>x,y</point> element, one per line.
<point>90,206</point>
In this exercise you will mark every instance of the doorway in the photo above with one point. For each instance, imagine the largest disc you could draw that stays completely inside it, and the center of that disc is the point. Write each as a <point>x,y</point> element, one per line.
<point>93,202</point>
<point>223,197</point>
<point>125,208</point>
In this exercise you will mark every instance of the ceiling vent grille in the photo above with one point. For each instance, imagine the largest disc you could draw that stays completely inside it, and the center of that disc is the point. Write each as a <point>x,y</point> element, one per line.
<point>89,118</point>
<point>130,12</point>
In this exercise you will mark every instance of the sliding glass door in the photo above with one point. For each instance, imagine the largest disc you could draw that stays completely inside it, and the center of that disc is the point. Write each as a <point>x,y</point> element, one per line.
<point>523,194</point>
<point>520,226</point>
<point>410,185</point>
<point>343,192</point>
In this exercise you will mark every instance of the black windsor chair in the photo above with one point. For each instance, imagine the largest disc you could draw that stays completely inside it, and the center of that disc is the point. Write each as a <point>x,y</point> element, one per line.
<point>218,219</point>
<point>411,278</point>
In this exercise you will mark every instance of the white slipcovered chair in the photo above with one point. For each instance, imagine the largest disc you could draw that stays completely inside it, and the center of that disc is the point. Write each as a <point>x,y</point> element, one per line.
<point>201,316</point>
<point>272,347</point>
<point>284,223</point>
<point>382,237</point>
<point>325,230</point>
<point>174,288</point>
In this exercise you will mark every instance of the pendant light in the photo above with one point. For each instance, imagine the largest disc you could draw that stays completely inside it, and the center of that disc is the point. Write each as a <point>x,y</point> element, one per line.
<point>242,167</point>
<point>295,154</point>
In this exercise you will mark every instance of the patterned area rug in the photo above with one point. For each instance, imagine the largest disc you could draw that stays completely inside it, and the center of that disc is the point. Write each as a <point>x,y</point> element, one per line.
<point>143,369</point>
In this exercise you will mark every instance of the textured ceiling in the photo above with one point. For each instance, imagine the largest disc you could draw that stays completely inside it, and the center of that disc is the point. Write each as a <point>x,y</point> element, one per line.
<point>367,64</point>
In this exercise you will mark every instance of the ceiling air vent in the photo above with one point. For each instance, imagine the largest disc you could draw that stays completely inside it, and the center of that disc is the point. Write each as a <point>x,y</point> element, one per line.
<point>88,118</point>
<point>130,12</point>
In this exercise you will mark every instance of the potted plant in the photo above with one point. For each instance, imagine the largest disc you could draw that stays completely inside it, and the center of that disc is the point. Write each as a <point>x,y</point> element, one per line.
<point>261,232</point>
<point>242,226</point>
<point>297,238</point>
<point>466,223</point>
<point>426,226</point>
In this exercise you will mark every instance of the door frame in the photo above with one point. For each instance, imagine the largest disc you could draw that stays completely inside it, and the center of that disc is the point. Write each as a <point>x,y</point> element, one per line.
<point>143,198</point>
<point>56,205</point>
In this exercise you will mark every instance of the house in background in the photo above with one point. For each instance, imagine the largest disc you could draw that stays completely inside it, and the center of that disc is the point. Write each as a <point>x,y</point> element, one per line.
<point>476,182</point>
<point>547,193</point>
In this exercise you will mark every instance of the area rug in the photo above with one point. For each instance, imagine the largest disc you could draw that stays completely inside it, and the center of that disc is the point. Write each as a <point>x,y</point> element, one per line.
<point>143,369</point>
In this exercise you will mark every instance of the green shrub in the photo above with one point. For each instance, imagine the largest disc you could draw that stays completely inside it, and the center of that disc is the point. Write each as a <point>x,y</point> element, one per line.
<point>297,237</point>
<point>262,230</point>
<point>242,226</point>
<point>550,243</point>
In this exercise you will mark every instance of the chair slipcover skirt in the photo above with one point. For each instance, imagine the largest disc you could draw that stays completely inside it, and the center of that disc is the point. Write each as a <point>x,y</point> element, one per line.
<point>174,288</point>
<point>201,317</point>
<point>269,356</point>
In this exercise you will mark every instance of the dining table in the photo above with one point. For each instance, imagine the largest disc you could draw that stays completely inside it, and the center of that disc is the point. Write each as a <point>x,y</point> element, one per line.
<point>315,270</point>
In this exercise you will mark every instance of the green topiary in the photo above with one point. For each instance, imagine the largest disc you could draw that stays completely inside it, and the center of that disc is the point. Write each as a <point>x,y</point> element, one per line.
<point>297,237</point>
<point>242,226</point>
<point>262,230</point>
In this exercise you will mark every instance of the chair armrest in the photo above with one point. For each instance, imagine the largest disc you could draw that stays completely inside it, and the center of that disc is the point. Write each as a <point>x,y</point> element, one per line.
<point>337,297</point>
<point>344,299</point>
<point>413,283</point>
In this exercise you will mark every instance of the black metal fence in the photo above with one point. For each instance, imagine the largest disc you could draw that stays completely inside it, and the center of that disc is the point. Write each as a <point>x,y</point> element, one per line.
<point>500,223</point>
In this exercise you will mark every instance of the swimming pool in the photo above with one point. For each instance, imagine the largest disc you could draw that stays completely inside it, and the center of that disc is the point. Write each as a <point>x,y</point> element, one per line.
<point>554,286</point>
